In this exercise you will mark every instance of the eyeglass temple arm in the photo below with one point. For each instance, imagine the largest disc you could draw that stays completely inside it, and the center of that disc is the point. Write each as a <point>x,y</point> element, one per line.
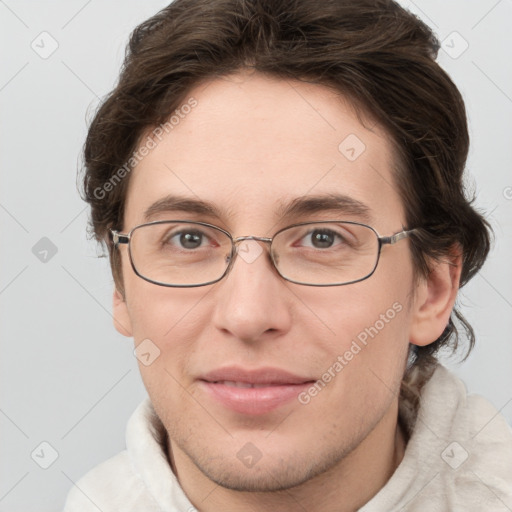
<point>393,239</point>
<point>119,238</point>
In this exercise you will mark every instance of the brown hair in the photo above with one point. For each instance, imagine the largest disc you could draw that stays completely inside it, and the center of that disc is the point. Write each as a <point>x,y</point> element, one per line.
<point>373,51</point>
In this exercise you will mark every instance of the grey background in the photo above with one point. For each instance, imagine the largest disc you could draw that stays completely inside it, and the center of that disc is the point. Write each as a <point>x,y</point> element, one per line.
<point>67,377</point>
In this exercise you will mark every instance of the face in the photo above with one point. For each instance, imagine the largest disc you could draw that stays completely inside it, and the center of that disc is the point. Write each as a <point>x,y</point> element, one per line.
<point>262,383</point>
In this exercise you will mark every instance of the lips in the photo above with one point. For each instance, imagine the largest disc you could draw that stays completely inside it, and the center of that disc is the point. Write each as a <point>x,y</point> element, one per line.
<point>253,392</point>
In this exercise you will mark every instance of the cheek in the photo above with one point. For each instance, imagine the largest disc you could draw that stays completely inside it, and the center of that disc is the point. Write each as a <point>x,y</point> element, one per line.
<point>357,311</point>
<point>156,312</point>
<point>167,324</point>
<point>363,362</point>
<point>367,342</point>
<point>169,321</point>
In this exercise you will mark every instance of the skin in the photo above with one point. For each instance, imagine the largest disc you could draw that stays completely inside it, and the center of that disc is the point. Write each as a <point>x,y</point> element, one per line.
<point>251,143</point>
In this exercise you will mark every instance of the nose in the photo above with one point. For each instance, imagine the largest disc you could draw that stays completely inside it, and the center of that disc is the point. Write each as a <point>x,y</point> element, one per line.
<point>252,301</point>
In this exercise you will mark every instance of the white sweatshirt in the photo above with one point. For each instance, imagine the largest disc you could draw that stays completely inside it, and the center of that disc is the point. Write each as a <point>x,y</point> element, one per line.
<point>458,459</point>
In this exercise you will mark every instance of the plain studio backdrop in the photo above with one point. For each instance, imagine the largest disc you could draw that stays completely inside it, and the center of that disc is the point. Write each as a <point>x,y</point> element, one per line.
<point>69,382</point>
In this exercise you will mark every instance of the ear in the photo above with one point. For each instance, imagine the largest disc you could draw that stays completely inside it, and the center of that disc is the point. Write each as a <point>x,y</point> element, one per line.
<point>434,299</point>
<point>121,315</point>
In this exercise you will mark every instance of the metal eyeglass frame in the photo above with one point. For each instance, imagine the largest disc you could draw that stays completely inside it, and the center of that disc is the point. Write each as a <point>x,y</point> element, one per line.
<point>125,238</point>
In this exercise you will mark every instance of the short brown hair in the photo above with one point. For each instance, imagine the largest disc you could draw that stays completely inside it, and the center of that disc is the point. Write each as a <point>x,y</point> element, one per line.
<point>374,52</point>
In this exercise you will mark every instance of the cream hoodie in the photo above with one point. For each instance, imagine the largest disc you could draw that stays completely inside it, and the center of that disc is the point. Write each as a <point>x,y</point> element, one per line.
<point>458,459</point>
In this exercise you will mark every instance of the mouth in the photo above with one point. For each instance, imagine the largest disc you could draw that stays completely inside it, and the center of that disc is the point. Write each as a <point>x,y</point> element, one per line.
<point>253,392</point>
<point>245,385</point>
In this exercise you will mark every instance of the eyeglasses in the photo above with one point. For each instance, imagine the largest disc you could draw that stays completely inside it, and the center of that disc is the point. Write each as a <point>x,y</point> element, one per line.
<point>180,253</point>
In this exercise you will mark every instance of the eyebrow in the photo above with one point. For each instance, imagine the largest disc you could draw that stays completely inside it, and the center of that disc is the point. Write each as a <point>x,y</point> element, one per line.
<point>336,203</point>
<point>298,207</point>
<point>183,204</point>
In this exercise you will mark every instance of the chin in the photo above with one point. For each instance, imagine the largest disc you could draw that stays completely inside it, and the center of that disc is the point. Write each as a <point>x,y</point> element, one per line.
<point>266,478</point>
<point>272,472</point>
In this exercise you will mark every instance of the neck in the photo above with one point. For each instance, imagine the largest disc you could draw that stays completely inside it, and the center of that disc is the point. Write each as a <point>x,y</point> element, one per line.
<point>345,487</point>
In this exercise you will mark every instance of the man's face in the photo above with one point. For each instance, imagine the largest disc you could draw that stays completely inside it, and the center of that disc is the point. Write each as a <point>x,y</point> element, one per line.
<point>250,147</point>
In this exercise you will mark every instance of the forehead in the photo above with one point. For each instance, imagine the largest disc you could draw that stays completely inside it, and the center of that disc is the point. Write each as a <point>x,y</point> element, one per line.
<point>251,144</point>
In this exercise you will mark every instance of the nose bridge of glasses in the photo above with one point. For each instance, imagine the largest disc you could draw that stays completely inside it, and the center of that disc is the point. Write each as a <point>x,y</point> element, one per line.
<point>254,238</point>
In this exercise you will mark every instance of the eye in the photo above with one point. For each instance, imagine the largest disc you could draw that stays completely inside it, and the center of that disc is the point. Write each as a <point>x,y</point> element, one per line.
<point>186,239</point>
<point>321,239</point>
